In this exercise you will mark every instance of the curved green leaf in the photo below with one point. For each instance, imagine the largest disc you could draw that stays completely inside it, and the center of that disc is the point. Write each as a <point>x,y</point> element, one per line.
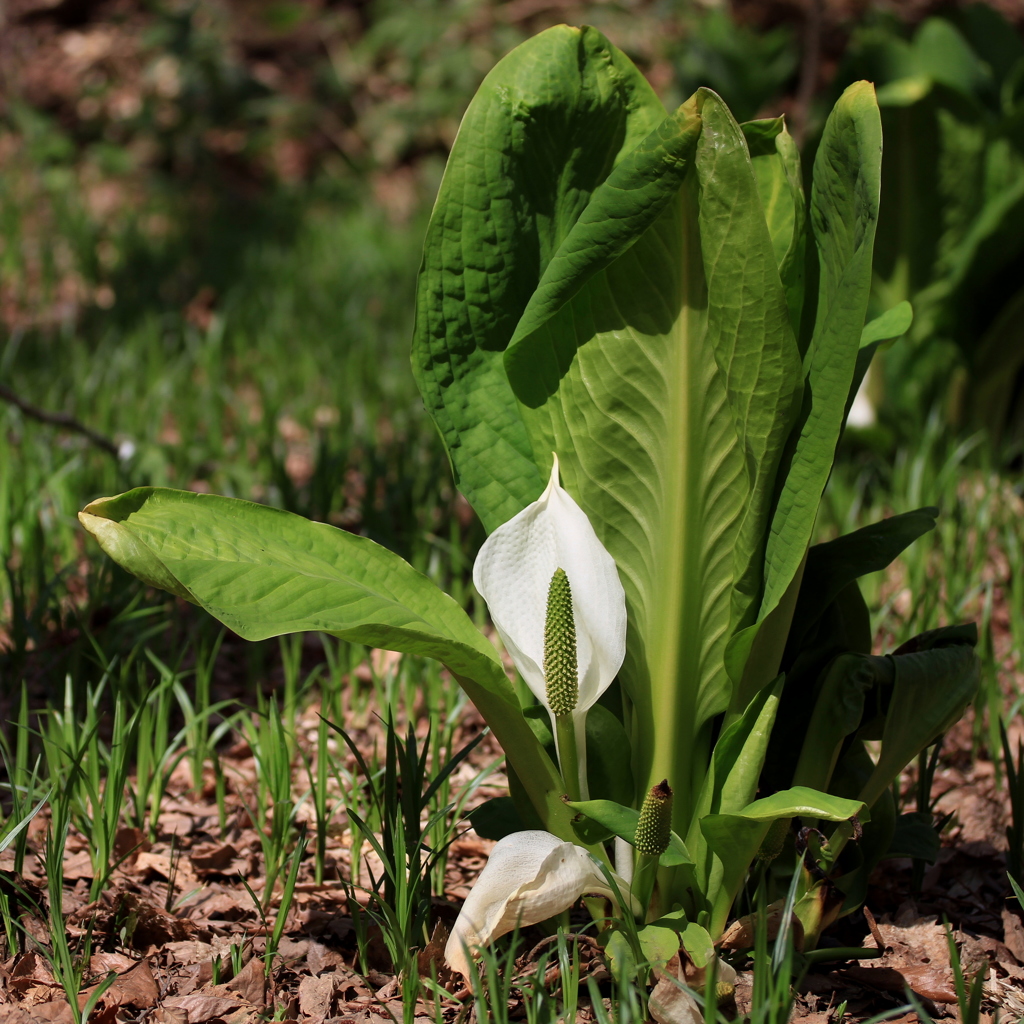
<point>801,802</point>
<point>931,688</point>
<point>888,326</point>
<point>844,211</point>
<point>621,209</point>
<point>617,820</point>
<point>734,839</point>
<point>893,323</point>
<point>732,776</point>
<point>263,572</point>
<point>548,125</point>
<point>776,162</point>
<point>837,563</point>
<point>679,379</point>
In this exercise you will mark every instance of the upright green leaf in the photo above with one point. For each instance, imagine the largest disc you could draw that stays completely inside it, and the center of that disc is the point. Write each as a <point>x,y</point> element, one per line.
<point>264,572</point>
<point>931,688</point>
<point>547,127</point>
<point>844,211</point>
<point>838,712</point>
<point>776,162</point>
<point>676,376</point>
<point>732,777</point>
<point>837,563</point>
<point>735,838</point>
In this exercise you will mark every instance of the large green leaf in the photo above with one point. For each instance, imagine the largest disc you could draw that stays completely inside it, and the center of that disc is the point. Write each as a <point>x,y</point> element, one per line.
<point>844,211</point>
<point>931,686</point>
<point>776,162</point>
<point>843,627</point>
<point>731,779</point>
<point>676,377</point>
<point>915,694</point>
<point>547,127</point>
<point>735,838</point>
<point>263,572</point>
<point>837,563</point>
<point>838,711</point>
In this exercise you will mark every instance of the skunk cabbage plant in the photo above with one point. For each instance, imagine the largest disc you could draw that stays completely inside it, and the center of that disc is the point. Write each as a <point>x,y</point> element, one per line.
<point>639,339</point>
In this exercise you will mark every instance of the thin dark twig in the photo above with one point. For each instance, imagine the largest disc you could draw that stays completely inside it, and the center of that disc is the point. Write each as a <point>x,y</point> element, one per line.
<point>534,953</point>
<point>59,419</point>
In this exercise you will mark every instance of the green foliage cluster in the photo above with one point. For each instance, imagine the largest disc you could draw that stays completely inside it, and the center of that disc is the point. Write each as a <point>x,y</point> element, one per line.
<point>652,299</point>
<point>952,204</point>
<point>212,399</point>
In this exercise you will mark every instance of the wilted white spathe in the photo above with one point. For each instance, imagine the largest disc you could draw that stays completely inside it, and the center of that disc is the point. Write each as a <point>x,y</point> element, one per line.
<point>513,574</point>
<point>529,877</point>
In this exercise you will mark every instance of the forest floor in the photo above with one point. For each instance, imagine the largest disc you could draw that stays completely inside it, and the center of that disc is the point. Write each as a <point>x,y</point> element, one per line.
<point>178,925</point>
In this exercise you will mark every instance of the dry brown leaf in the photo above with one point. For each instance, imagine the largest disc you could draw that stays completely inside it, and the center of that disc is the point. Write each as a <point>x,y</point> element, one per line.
<point>136,987</point>
<point>912,940</point>
<point>193,978</point>
<point>290,950</point>
<point>740,934</point>
<point>320,958</point>
<point>818,1017</point>
<point>317,996</point>
<point>29,969</point>
<point>931,983</point>
<point>128,844</point>
<point>213,857</point>
<point>78,865</point>
<point>57,1012</point>
<point>916,954</point>
<point>226,906</point>
<point>154,926</point>
<point>1013,933</point>
<point>431,958</point>
<point>191,952</point>
<point>202,1007</point>
<point>104,963</point>
<point>152,864</point>
<point>978,814</point>
<point>984,948</point>
<point>32,981</point>
<point>13,1014</point>
<point>165,1015</point>
<point>670,1003</point>
<point>251,982</point>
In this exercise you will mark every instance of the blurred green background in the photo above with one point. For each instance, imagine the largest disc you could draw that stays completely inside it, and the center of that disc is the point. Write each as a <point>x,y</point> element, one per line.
<point>210,223</point>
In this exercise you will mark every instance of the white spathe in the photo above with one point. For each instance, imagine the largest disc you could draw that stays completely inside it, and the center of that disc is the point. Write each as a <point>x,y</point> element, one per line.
<point>513,574</point>
<point>529,877</point>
